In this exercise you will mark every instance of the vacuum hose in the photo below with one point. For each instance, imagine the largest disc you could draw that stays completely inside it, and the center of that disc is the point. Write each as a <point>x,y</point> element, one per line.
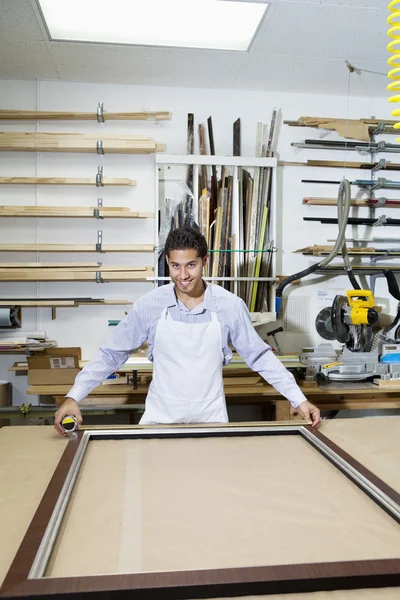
<point>344,201</point>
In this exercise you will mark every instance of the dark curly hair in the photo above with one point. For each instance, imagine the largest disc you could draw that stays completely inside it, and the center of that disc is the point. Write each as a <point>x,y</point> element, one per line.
<point>186,238</point>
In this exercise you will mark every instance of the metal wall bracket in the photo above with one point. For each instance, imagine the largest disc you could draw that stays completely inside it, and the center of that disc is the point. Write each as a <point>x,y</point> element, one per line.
<point>100,113</point>
<point>99,241</point>
<point>381,221</point>
<point>99,278</point>
<point>381,165</point>
<point>96,211</point>
<point>375,259</point>
<point>380,183</point>
<point>99,147</point>
<point>99,177</point>
<point>380,129</point>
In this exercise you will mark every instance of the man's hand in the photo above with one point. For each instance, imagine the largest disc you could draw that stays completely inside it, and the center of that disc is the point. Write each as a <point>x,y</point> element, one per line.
<point>310,413</point>
<point>68,407</point>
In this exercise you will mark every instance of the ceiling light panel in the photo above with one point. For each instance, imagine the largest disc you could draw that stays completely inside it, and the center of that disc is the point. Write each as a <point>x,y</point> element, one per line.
<point>212,24</point>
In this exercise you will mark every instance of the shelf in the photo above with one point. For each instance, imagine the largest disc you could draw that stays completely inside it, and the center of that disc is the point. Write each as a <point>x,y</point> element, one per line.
<point>37,115</point>
<point>77,142</point>
<point>105,181</point>
<point>76,248</point>
<point>208,160</point>
<point>73,212</point>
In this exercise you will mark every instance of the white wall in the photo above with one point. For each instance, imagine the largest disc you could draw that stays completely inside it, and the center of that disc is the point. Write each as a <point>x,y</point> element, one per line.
<point>88,327</point>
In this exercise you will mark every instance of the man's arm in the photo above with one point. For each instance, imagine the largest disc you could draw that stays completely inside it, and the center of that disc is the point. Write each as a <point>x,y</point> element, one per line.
<point>259,357</point>
<point>129,334</point>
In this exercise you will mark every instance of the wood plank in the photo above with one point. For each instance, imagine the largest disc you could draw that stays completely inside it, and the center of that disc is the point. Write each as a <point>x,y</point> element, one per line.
<point>76,248</point>
<point>392,383</point>
<point>237,138</point>
<point>62,303</point>
<point>96,267</point>
<point>202,143</point>
<point>40,115</point>
<point>64,275</point>
<point>358,129</point>
<point>214,177</point>
<point>370,202</point>
<point>72,212</point>
<point>252,242</point>
<point>105,181</point>
<point>77,142</point>
<point>52,265</point>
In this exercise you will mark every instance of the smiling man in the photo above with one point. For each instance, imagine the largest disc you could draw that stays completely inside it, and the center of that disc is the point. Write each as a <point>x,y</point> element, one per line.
<point>188,325</point>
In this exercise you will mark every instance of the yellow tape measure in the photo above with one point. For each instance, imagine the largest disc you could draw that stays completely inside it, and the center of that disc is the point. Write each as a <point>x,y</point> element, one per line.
<point>69,423</point>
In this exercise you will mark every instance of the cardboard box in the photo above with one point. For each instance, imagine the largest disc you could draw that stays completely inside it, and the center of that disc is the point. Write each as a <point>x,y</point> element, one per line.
<point>52,376</point>
<point>54,366</point>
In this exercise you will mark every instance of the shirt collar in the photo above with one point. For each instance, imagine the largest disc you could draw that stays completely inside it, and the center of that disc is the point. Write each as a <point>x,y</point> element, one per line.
<point>207,304</point>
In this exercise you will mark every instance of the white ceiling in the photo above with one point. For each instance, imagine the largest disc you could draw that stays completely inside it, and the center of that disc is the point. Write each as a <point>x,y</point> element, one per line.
<point>301,46</point>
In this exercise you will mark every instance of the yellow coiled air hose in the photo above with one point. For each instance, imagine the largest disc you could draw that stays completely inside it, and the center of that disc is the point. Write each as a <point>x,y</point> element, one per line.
<point>394,59</point>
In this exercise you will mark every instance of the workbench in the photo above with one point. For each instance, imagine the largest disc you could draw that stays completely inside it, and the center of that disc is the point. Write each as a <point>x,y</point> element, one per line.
<point>251,390</point>
<point>30,455</point>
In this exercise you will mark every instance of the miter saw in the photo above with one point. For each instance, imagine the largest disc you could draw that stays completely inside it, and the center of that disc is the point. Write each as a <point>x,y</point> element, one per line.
<point>353,321</point>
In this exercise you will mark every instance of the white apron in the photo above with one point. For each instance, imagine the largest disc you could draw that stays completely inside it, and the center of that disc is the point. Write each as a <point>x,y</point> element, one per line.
<point>187,384</point>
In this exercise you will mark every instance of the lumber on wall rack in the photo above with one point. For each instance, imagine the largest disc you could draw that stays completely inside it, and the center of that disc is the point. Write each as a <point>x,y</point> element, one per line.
<point>362,251</point>
<point>63,303</point>
<point>358,129</point>
<point>73,212</point>
<point>11,141</point>
<point>99,274</point>
<point>340,164</point>
<point>370,202</point>
<point>100,115</point>
<point>54,304</point>
<point>76,248</point>
<point>102,182</point>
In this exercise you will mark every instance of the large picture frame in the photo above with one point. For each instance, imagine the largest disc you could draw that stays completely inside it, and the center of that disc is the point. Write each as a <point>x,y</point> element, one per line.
<point>25,578</point>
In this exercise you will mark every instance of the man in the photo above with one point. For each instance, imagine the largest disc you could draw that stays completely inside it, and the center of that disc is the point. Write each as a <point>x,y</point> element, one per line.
<point>188,326</point>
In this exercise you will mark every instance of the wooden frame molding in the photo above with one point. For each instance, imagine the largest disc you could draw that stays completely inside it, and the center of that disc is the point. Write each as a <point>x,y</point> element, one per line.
<point>25,576</point>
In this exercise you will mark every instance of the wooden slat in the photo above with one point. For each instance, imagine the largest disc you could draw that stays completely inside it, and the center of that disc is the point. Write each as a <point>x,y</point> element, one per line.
<point>322,250</point>
<point>64,275</point>
<point>30,115</point>
<point>71,212</point>
<point>370,202</point>
<point>62,303</point>
<point>52,265</point>
<point>77,142</point>
<point>96,267</point>
<point>76,248</point>
<point>351,164</point>
<point>106,181</point>
<point>357,129</point>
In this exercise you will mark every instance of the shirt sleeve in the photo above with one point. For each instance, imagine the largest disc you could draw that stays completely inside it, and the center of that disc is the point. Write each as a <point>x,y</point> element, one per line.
<point>259,357</point>
<point>129,335</point>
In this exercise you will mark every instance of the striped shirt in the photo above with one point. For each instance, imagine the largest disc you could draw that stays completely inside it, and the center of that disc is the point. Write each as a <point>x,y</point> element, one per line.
<point>140,325</point>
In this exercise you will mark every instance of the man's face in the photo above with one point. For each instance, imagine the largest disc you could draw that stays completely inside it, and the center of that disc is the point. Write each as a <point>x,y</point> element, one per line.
<point>186,269</point>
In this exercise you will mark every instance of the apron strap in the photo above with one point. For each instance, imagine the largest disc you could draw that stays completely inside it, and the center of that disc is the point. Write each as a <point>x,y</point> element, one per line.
<point>214,318</point>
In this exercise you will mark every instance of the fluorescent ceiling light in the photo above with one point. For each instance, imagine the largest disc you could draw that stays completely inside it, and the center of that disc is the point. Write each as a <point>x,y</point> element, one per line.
<point>214,24</point>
